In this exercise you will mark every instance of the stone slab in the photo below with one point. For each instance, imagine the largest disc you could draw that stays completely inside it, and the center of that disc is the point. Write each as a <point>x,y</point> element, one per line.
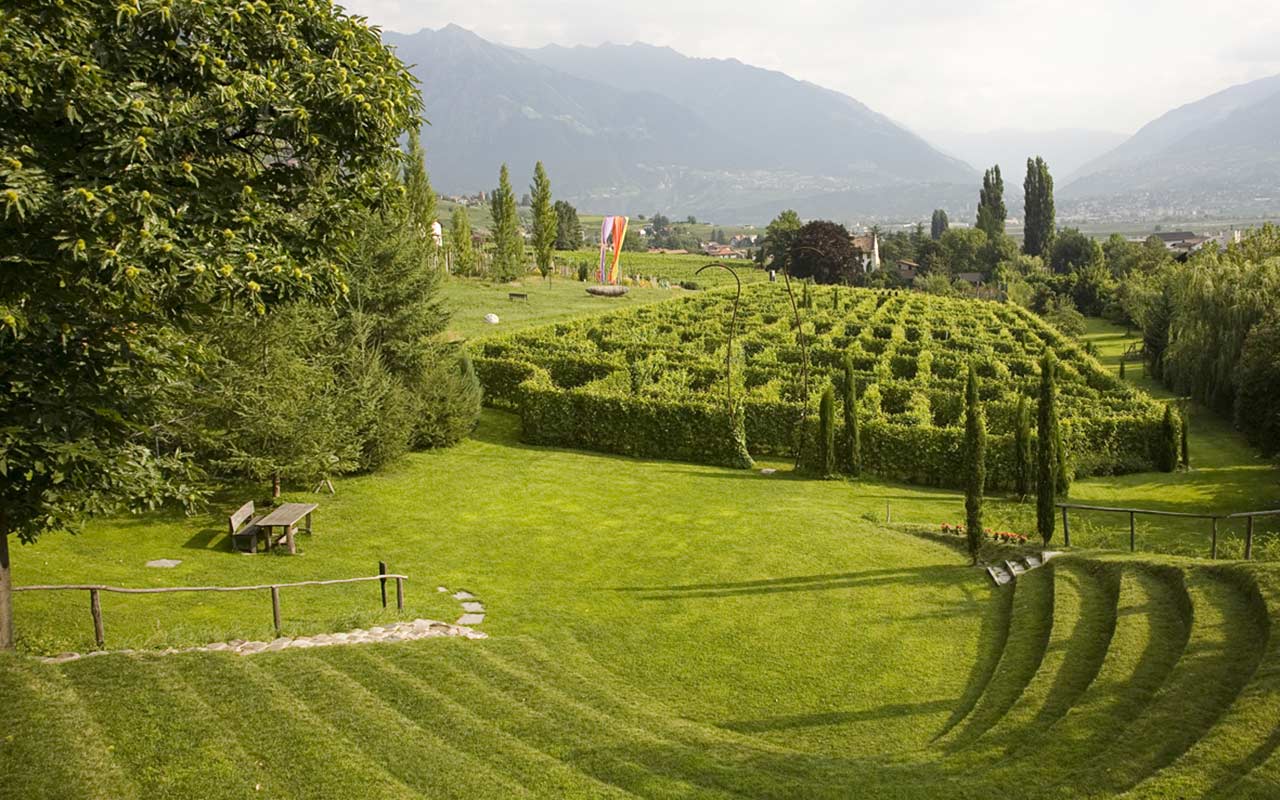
<point>463,595</point>
<point>470,619</point>
<point>164,563</point>
<point>473,607</point>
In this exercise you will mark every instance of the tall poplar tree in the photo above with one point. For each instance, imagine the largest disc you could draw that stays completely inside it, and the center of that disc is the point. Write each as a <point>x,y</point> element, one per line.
<point>991,208</point>
<point>975,464</point>
<point>939,224</point>
<point>508,247</point>
<point>544,219</point>
<point>1040,220</point>
<point>1048,440</point>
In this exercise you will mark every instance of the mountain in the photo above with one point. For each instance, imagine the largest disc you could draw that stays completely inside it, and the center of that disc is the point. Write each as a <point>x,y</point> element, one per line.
<point>1217,155</point>
<point>1066,150</point>
<point>637,129</point>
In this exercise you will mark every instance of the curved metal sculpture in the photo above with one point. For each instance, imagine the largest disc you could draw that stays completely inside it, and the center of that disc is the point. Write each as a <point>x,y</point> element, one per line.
<point>728,353</point>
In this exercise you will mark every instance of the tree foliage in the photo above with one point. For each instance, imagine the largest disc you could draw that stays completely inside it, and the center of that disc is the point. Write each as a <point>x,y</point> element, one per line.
<point>778,237</point>
<point>421,198</point>
<point>1048,439</point>
<point>975,463</point>
<point>463,251</point>
<point>823,251</point>
<point>939,224</point>
<point>159,164</point>
<point>992,212</point>
<point>827,433</point>
<point>1039,218</point>
<point>1024,464</point>
<point>508,245</point>
<point>544,220</point>
<point>851,446</point>
<point>568,228</point>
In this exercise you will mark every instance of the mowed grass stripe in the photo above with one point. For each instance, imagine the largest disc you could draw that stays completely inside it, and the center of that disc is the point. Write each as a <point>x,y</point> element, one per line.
<point>1248,732</point>
<point>418,698</point>
<point>306,759</point>
<point>561,725</point>
<point>1224,648</point>
<point>1028,639</point>
<point>1152,626</point>
<point>376,728</point>
<point>162,734</point>
<point>49,744</point>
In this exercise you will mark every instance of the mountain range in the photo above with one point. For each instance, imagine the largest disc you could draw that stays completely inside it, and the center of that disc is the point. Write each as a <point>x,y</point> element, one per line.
<point>637,129</point>
<point>1219,155</point>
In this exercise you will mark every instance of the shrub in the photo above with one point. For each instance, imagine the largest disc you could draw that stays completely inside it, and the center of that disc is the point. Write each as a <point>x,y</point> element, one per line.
<point>827,433</point>
<point>584,271</point>
<point>447,402</point>
<point>1168,454</point>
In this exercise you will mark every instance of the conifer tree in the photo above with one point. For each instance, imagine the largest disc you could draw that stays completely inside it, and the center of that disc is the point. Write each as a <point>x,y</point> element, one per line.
<point>544,220</point>
<point>852,449</point>
<point>827,433</point>
<point>508,247</point>
<point>1167,457</point>
<point>975,464</point>
<point>1121,369</point>
<point>464,254</point>
<point>420,197</point>
<point>1040,222</point>
<point>991,208</point>
<point>1024,466</point>
<point>1046,458</point>
<point>1184,431</point>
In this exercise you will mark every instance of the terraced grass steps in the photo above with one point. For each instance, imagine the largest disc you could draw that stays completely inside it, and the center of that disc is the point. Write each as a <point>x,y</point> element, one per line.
<point>1028,638</point>
<point>1150,632</point>
<point>1247,734</point>
<point>1225,645</point>
<point>414,754</point>
<point>40,708</point>
<point>1084,614</point>
<point>416,696</point>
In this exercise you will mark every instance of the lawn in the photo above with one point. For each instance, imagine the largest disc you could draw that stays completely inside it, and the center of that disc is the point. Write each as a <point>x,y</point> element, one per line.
<point>658,629</point>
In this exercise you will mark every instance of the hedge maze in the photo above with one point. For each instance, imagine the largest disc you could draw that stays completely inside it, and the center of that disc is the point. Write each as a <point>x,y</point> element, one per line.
<point>651,382</point>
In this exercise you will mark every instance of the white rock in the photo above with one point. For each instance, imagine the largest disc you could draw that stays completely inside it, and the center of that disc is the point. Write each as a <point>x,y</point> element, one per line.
<point>492,319</point>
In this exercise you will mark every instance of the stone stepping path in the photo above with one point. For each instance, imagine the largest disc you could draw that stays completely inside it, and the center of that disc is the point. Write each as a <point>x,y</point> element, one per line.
<point>396,632</point>
<point>472,609</point>
<point>1009,570</point>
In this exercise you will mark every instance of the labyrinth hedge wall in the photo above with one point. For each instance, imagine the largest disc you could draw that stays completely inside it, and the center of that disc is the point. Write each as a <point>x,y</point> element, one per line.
<point>650,381</point>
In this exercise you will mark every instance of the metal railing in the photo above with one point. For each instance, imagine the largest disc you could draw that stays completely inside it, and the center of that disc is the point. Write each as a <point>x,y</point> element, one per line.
<point>95,601</point>
<point>1249,516</point>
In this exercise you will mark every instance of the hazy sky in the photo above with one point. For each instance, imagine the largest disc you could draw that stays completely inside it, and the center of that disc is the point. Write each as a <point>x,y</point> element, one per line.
<point>971,65</point>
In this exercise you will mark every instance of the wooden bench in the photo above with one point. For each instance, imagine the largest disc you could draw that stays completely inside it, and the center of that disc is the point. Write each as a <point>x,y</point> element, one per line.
<point>243,525</point>
<point>518,296</point>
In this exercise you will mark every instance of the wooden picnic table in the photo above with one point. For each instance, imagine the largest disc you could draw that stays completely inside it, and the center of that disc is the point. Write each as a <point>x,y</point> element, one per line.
<point>287,517</point>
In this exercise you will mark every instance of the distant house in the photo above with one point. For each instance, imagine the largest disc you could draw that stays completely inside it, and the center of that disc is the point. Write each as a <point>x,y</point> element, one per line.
<point>1181,242</point>
<point>716,250</point>
<point>972,278</point>
<point>908,270</point>
<point>869,245</point>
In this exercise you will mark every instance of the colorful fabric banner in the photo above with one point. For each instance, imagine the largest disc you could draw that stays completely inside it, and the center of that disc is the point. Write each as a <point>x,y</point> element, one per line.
<point>606,230</point>
<point>619,234</point>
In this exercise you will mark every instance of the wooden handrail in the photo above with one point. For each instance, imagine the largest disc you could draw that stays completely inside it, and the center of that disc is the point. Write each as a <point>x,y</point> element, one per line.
<point>95,604</point>
<point>1250,516</point>
<point>166,589</point>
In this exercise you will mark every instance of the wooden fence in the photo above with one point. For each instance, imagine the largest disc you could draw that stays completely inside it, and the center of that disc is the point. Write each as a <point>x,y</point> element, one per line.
<point>1214,519</point>
<point>95,602</point>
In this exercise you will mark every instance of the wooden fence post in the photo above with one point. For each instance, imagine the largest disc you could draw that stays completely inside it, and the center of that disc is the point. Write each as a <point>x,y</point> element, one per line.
<point>275,607</point>
<point>400,594</point>
<point>382,570</point>
<point>1066,528</point>
<point>1214,552</point>
<point>1248,541</point>
<point>95,608</point>
<point>1133,539</point>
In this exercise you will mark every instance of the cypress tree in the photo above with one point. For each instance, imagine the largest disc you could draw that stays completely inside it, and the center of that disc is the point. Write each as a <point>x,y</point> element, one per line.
<point>1046,458</point>
<point>508,247</point>
<point>1122,368</point>
<point>1040,220</point>
<point>975,464</point>
<point>1185,432</point>
<point>991,208</point>
<point>544,219</point>
<point>852,434</point>
<point>1024,467</point>
<point>464,254</point>
<point>1167,456</point>
<point>827,433</point>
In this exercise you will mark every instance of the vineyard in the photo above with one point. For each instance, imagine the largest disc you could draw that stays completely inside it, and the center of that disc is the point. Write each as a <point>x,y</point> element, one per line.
<point>651,382</point>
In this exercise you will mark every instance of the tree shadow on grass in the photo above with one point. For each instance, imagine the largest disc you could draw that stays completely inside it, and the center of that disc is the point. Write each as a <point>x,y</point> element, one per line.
<point>794,721</point>
<point>802,583</point>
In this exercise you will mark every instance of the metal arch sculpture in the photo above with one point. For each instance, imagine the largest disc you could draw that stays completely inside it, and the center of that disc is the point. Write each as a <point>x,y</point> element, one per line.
<point>733,326</point>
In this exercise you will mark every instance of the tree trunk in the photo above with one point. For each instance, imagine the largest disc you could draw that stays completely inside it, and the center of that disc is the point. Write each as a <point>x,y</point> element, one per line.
<point>6,594</point>
<point>275,486</point>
